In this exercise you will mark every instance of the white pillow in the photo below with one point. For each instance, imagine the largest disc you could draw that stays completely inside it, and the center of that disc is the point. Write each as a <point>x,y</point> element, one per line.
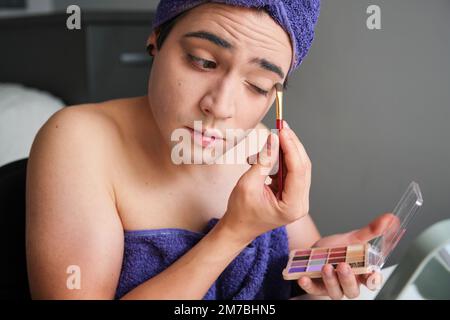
<point>23,111</point>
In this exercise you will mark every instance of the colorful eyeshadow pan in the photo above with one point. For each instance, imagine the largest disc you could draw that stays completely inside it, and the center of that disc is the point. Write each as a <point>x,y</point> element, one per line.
<point>299,263</point>
<point>309,262</point>
<point>303,253</point>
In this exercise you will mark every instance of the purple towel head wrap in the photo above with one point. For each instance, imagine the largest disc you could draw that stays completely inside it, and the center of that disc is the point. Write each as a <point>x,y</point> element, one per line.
<point>297,17</point>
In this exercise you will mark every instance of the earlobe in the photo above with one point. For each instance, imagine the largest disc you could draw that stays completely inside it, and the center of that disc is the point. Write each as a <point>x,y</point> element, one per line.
<point>151,44</point>
<point>150,48</point>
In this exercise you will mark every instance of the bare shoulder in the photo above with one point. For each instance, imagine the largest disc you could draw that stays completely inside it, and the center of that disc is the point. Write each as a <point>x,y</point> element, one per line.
<point>78,122</point>
<point>83,131</point>
<point>76,142</point>
<point>70,203</point>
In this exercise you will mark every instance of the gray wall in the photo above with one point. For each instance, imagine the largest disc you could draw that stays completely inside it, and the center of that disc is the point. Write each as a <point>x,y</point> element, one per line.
<point>373,111</point>
<point>33,7</point>
<point>108,4</point>
<point>46,6</point>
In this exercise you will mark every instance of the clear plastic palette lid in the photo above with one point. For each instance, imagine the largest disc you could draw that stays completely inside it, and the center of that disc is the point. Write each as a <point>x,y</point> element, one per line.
<point>407,207</point>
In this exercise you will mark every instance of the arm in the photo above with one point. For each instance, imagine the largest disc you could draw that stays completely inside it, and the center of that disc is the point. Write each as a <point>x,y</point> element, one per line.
<point>302,233</point>
<point>72,220</point>
<point>71,217</point>
<point>193,274</point>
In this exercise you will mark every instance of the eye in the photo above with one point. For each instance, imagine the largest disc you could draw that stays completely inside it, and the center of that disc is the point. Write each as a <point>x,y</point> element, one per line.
<point>259,90</point>
<point>202,63</point>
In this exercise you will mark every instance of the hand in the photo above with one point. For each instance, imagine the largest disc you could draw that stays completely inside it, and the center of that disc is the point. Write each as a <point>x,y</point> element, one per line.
<point>340,282</point>
<point>253,207</point>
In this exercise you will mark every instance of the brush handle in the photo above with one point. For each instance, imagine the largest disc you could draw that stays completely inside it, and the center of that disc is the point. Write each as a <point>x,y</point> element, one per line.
<point>280,162</point>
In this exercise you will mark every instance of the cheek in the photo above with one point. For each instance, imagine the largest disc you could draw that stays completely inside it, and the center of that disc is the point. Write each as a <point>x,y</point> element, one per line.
<point>176,102</point>
<point>248,116</point>
<point>170,93</point>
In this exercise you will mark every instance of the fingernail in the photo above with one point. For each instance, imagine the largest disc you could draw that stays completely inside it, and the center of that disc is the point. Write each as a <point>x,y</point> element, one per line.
<point>346,270</point>
<point>286,124</point>
<point>252,159</point>
<point>372,284</point>
<point>269,145</point>
<point>269,142</point>
<point>377,283</point>
<point>304,283</point>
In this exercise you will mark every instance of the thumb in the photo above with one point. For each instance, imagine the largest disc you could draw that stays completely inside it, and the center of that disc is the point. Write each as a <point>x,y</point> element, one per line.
<point>375,229</point>
<point>266,160</point>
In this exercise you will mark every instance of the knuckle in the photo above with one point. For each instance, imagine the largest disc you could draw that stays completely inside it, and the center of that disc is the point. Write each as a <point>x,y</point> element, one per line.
<point>244,188</point>
<point>241,185</point>
<point>306,209</point>
<point>307,166</point>
<point>352,295</point>
<point>303,167</point>
<point>336,296</point>
<point>300,215</point>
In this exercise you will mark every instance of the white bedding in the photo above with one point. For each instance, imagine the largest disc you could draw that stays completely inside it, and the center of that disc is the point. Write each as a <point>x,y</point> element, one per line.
<point>23,111</point>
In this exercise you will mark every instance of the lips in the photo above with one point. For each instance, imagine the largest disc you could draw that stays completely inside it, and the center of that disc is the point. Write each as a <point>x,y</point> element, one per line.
<point>206,138</point>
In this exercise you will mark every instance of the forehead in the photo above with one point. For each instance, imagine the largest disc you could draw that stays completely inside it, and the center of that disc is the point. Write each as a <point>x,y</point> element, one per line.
<point>246,29</point>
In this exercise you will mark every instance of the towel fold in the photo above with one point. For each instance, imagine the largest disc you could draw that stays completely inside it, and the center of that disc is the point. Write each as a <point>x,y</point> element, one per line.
<point>255,274</point>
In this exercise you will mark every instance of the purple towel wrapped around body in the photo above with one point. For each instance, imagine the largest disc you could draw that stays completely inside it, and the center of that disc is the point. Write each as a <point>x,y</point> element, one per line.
<point>255,274</point>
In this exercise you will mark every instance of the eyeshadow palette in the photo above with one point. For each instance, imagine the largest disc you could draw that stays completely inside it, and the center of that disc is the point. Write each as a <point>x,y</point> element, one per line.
<point>309,262</point>
<point>362,258</point>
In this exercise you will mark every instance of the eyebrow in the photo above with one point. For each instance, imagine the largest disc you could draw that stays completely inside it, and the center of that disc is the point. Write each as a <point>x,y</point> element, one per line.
<point>211,37</point>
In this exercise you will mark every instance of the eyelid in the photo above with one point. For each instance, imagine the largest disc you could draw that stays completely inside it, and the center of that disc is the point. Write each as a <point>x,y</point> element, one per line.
<point>198,59</point>
<point>258,89</point>
<point>255,87</point>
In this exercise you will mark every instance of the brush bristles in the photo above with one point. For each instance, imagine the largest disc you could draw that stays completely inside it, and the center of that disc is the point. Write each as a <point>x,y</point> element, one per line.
<point>279,87</point>
<point>279,99</point>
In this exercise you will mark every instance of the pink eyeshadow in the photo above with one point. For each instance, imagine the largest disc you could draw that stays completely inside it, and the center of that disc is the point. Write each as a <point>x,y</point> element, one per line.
<point>302,252</point>
<point>335,255</point>
<point>339,249</point>
<point>319,256</point>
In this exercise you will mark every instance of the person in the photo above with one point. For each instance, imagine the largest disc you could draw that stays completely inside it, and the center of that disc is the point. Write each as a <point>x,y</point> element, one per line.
<point>111,215</point>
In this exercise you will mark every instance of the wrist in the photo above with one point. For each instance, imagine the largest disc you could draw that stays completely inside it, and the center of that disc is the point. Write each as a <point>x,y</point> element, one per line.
<point>223,231</point>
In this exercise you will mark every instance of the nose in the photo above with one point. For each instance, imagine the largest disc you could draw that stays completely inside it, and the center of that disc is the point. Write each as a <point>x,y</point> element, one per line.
<point>219,101</point>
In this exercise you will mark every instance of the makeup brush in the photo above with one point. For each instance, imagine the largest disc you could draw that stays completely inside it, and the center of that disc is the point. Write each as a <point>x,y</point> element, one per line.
<point>279,102</point>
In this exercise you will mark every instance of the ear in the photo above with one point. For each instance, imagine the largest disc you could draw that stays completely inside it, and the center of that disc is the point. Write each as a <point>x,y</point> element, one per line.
<point>151,44</point>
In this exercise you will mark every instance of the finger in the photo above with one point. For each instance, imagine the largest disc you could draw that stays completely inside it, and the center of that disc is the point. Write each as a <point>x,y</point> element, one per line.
<point>301,149</point>
<point>374,229</point>
<point>311,287</point>
<point>348,281</point>
<point>302,152</point>
<point>251,160</point>
<point>298,143</point>
<point>266,159</point>
<point>372,280</point>
<point>331,282</point>
<point>296,181</point>
<point>305,159</point>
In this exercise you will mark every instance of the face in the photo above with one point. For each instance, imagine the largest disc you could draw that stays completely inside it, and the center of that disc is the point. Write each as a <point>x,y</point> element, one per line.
<point>218,66</point>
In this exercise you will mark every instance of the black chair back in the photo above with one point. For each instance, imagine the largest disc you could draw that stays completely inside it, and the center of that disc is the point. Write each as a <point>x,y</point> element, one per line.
<point>13,270</point>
